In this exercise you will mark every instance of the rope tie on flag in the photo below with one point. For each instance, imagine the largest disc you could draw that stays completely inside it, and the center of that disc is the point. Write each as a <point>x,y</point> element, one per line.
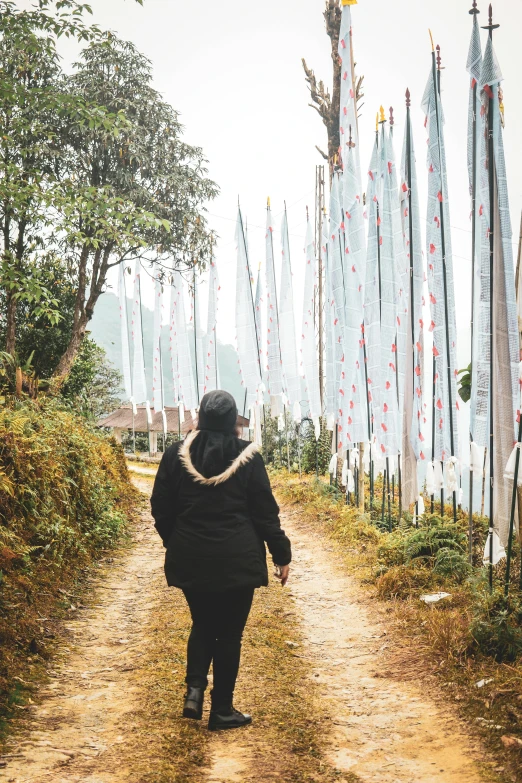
<point>438,475</point>
<point>164,422</point>
<point>509,472</point>
<point>498,550</point>
<point>430,479</point>
<point>350,483</point>
<point>452,483</point>
<point>344,475</point>
<point>476,458</point>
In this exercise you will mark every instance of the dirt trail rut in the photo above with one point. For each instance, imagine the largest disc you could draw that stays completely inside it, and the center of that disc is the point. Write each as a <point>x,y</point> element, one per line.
<point>383,730</point>
<point>84,727</point>
<point>80,730</point>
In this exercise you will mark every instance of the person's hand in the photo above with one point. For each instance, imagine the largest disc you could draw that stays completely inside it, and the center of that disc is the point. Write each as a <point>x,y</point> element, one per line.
<point>282,573</point>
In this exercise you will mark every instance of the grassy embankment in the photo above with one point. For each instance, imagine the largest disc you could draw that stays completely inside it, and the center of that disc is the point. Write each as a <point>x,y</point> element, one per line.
<point>471,638</point>
<point>65,497</point>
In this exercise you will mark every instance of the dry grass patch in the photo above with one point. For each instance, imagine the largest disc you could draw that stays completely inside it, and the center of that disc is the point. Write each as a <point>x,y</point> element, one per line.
<point>286,740</point>
<point>65,497</point>
<point>442,641</point>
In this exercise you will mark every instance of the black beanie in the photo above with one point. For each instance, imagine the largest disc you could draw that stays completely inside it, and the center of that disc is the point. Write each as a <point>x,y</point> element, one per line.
<point>217,412</point>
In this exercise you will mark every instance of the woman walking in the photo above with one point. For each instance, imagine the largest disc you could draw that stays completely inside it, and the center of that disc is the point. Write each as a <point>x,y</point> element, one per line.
<point>214,510</point>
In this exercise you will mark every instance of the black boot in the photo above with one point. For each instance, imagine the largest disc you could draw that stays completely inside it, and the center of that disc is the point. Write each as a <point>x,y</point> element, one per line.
<point>193,707</point>
<point>227,719</point>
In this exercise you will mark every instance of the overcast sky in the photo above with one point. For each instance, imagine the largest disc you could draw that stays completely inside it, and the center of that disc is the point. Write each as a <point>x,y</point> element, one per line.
<point>232,68</point>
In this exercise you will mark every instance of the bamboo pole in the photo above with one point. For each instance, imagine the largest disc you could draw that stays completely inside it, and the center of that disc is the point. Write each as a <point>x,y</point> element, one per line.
<point>474,11</point>
<point>390,524</point>
<point>383,495</point>
<point>436,66</point>
<point>143,348</point>
<point>492,228</point>
<point>513,507</point>
<point>360,478</point>
<point>517,279</point>
<point>412,292</point>
<point>320,210</point>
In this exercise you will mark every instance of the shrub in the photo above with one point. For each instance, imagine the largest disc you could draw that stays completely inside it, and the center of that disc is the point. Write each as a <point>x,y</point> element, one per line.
<point>404,581</point>
<point>64,490</point>
<point>496,625</point>
<point>313,450</point>
<point>436,534</point>
<point>452,564</point>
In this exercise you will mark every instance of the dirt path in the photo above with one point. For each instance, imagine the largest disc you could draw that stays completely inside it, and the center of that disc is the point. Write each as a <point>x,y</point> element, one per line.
<point>80,730</point>
<point>383,730</point>
<point>109,713</point>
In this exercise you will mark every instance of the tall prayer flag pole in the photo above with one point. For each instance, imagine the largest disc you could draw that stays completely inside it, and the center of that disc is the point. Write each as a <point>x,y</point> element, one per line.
<point>412,440</point>
<point>441,283</point>
<point>273,349</point>
<point>474,65</point>
<point>502,336</point>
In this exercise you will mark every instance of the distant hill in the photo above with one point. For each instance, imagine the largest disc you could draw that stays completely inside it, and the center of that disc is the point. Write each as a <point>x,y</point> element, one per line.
<point>105,330</point>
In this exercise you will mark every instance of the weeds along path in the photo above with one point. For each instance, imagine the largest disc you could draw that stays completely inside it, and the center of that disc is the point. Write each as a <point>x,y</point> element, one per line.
<point>98,717</point>
<point>383,730</point>
<point>110,710</point>
<point>312,675</point>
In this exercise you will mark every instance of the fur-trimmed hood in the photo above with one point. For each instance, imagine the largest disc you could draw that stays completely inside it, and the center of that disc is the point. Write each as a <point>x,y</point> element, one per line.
<point>186,460</point>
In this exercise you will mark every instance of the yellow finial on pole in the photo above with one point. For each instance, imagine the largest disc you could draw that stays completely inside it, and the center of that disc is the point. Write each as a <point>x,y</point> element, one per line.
<point>383,116</point>
<point>432,43</point>
<point>349,2</point>
<point>268,202</point>
<point>377,122</point>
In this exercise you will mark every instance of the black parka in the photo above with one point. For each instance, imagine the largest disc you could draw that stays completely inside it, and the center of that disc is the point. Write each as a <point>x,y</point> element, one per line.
<point>215,529</point>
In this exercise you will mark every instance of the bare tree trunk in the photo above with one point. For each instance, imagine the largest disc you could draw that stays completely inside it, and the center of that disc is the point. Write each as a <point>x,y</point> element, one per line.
<point>332,16</point>
<point>10,337</point>
<point>84,309</point>
<point>326,105</point>
<point>11,301</point>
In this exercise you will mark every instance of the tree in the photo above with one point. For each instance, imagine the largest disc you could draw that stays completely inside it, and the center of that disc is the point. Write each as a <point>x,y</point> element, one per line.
<point>28,93</point>
<point>93,171</point>
<point>36,336</point>
<point>33,110</point>
<point>140,192</point>
<point>316,454</point>
<point>93,387</point>
<point>326,105</point>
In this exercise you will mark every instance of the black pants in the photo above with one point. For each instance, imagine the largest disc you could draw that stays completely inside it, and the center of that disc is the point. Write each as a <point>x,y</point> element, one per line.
<point>218,622</point>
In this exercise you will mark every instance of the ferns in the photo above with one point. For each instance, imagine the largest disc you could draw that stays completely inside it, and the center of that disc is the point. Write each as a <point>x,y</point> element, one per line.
<point>435,535</point>
<point>439,545</point>
<point>496,626</point>
<point>452,564</point>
